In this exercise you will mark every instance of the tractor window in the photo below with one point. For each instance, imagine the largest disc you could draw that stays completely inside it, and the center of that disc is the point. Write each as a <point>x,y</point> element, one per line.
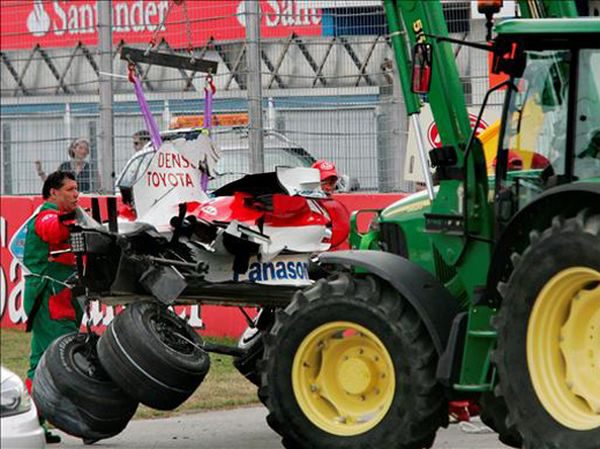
<point>535,127</point>
<point>536,123</point>
<point>587,134</point>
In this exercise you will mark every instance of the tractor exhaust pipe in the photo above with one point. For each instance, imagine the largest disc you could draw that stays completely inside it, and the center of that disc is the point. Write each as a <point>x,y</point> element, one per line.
<point>423,156</point>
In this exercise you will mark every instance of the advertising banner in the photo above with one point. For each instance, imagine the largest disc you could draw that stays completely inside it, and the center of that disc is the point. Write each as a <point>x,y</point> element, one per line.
<point>64,23</point>
<point>14,211</point>
<point>215,320</point>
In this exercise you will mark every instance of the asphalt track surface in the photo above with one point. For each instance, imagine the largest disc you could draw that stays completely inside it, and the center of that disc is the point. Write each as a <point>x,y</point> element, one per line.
<point>242,428</point>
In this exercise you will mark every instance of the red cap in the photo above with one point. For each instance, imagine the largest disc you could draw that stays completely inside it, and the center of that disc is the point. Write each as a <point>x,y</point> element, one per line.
<point>326,168</point>
<point>515,162</point>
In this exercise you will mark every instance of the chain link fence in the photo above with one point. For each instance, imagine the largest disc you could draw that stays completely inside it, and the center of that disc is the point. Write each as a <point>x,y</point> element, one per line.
<point>329,83</point>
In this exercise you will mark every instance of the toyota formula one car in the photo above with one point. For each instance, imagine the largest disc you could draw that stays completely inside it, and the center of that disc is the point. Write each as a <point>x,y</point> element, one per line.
<point>251,240</point>
<point>247,244</point>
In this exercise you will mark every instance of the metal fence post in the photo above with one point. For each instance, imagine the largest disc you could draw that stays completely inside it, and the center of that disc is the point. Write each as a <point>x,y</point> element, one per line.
<point>6,158</point>
<point>106,134</point>
<point>252,15</point>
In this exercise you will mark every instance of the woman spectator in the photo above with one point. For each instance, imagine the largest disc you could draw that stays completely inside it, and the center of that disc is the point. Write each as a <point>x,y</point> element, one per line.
<point>87,178</point>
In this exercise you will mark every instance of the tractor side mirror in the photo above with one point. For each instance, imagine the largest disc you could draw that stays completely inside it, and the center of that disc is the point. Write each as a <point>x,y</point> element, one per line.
<point>421,73</point>
<point>509,58</point>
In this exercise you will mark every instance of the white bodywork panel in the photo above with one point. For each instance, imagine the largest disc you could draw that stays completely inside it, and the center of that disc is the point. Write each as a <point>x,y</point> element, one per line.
<point>274,240</point>
<point>289,269</point>
<point>301,239</point>
<point>302,181</point>
<point>173,177</point>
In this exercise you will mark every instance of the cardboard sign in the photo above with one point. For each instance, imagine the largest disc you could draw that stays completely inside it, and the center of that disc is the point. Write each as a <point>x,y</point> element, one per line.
<point>412,166</point>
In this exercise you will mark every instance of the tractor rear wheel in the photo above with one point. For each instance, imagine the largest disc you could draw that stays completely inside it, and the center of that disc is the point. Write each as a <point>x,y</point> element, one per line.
<point>349,364</point>
<point>548,354</point>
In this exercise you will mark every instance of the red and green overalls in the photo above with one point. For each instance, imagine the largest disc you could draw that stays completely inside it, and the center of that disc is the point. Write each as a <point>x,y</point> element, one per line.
<point>58,313</point>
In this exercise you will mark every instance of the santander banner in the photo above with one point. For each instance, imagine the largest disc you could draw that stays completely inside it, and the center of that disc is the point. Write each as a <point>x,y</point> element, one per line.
<point>64,23</point>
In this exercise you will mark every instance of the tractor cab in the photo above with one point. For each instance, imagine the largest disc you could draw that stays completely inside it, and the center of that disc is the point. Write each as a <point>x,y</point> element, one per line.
<point>551,116</point>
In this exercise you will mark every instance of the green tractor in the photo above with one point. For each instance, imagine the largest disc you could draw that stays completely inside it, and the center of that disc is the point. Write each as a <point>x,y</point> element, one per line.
<point>483,286</point>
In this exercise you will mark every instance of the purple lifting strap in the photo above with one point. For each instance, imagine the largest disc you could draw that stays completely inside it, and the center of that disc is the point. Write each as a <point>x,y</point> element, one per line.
<point>151,125</point>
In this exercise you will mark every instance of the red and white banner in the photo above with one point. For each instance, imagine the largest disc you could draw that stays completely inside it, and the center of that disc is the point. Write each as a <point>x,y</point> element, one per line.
<point>14,210</point>
<point>64,23</point>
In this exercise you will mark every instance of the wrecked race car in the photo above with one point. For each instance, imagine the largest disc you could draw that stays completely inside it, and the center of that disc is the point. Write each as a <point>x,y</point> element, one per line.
<point>249,244</point>
<point>271,222</point>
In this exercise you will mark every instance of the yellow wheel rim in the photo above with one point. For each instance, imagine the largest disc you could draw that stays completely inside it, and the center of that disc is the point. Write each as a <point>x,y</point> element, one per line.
<point>563,348</point>
<point>343,378</point>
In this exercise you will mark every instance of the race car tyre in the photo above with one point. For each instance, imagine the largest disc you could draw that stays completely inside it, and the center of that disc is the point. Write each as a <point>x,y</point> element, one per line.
<point>73,392</point>
<point>153,355</point>
<point>493,414</point>
<point>251,341</point>
<point>548,336</point>
<point>349,364</point>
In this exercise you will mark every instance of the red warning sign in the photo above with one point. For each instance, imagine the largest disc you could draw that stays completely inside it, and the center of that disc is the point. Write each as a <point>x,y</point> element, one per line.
<point>433,135</point>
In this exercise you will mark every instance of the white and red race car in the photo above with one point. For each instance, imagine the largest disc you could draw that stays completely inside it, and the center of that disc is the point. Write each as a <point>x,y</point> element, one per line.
<point>248,243</point>
<point>261,228</point>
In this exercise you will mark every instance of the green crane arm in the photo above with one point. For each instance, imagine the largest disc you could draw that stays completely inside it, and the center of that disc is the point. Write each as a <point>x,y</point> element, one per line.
<point>412,21</point>
<point>539,9</point>
<point>409,22</point>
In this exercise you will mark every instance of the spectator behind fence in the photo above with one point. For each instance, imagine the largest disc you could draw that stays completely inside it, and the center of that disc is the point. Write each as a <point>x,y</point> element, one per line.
<point>87,178</point>
<point>140,138</point>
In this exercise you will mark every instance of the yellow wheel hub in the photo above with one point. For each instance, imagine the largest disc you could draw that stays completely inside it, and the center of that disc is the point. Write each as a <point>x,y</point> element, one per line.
<point>563,348</point>
<point>354,375</point>
<point>343,378</point>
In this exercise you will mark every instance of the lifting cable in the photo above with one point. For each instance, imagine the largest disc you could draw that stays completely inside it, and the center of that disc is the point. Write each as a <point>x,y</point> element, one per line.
<point>210,89</point>
<point>161,26</point>
<point>151,124</point>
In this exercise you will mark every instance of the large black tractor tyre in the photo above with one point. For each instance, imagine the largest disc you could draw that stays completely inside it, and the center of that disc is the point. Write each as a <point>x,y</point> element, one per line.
<point>72,391</point>
<point>349,364</point>
<point>493,414</point>
<point>548,337</point>
<point>153,355</point>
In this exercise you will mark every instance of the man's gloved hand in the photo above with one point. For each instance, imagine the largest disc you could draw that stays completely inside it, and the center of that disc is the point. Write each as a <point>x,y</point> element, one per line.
<point>68,219</point>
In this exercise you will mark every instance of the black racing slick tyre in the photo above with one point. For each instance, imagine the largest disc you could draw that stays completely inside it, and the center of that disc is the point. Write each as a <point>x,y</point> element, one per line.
<point>251,341</point>
<point>73,392</point>
<point>549,337</point>
<point>153,355</point>
<point>349,364</point>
